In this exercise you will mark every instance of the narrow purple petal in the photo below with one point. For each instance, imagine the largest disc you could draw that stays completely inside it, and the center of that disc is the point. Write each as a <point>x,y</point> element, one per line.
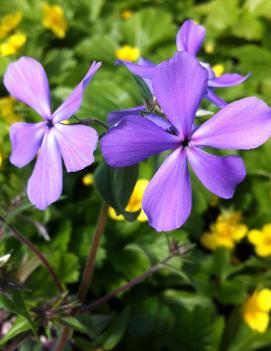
<point>115,116</point>
<point>190,37</point>
<point>26,80</point>
<point>74,100</point>
<point>228,80</point>
<point>244,124</point>
<point>167,200</point>
<point>215,99</point>
<point>45,184</point>
<point>219,174</point>
<point>77,144</point>
<point>161,122</point>
<point>133,140</point>
<point>179,85</point>
<point>140,70</point>
<point>26,139</point>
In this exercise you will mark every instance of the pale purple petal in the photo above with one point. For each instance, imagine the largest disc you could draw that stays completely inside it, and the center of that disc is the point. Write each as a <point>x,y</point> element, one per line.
<point>161,122</point>
<point>244,124</point>
<point>26,80</point>
<point>215,99</point>
<point>219,174</point>
<point>179,85</point>
<point>77,144</point>
<point>228,80</point>
<point>167,199</point>
<point>45,184</point>
<point>144,71</point>
<point>115,116</point>
<point>74,100</point>
<point>26,139</point>
<point>190,37</point>
<point>133,140</point>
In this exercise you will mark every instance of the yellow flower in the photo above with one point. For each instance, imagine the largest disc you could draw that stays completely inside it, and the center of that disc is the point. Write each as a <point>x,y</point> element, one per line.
<point>134,203</point>
<point>209,48</point>
<point>88,179</point>
<point>127,53</point>
<point>225,232</point>
<point>261,239</point>
<point>12,44</point>
<point>218,69</point>
<point>9,23</point>
<point>54,20</point>
<point>1,158</point>
<point>255,310</point>
<point>7,111</point>
<point>126,14</point>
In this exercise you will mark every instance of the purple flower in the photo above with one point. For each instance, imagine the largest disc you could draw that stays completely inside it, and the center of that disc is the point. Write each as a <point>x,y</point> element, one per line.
<point>26,80</point>
<point>179,85</point>
<point>190,38</point>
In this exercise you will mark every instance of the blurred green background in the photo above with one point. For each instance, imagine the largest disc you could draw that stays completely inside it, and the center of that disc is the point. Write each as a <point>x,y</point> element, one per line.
<point>196,303</point>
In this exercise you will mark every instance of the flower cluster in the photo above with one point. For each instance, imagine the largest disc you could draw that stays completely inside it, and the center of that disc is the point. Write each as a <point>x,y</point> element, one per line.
<point>177,87</point>
<point>225,232</point>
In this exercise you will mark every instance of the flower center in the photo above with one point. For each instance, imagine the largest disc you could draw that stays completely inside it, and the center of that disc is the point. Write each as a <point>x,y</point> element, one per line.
<point>50,123</point>
<point>185,142</point>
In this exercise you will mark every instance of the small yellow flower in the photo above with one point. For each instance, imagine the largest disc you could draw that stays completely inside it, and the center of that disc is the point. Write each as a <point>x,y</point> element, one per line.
<point>225,232</point>
<point>9,23</point>
<point>88,179</point>
<point>54,20</point>
<point>1,159</point>
<point>126,14</point>
<point>256,309</point>
<point>218,69</point>
<point>12,44</point>
<point>209,47</point>
<point>7,109</point>
<point>127,53</point>
<point>134,203</point>
<point>261,239</point>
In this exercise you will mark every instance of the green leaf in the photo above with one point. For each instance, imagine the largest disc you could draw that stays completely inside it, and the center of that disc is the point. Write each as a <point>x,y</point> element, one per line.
<point>116,185</point>
<point>74,323</point>
<point>21,325</point>
<point>144,90</point>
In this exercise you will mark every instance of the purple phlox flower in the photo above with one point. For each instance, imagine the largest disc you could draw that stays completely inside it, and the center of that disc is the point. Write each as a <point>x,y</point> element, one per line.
<point>52,140</point>
<point>190,38</point>
<point>179,86</point>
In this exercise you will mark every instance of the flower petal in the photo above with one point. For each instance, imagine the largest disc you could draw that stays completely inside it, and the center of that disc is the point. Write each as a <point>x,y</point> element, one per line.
<point>190,37</point>
<point>74,100</point>
<point>211,96</point>
<point>77,144</point>
<point>141,70</point>
<point>133,140</point>
<point>228,80</point>
<point>26,80</point>
<point>45,184</point>
<point>179,85</point>
<point>244,124</point>
<point>167,200</point>
<point>115,116</point>
<point>219,174</point>
<point>26,139</point>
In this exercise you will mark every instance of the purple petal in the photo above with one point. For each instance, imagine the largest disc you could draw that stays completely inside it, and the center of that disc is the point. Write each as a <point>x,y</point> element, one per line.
<point>144,71</point>
<point>133,140</point>
<point>161,122</point>
<point>228,80</point>
<point>244,124</point>
<point>45,184</point>
<point>115,116</point>
<point>74,100</point>
<point>167,200</point>
<point>26,139</point>
<point>190,37</point>
<point>215,99</point>
<point>179,85</point>
<point>77,144</point>
<point>26,80</point>
<point>219,174</point>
